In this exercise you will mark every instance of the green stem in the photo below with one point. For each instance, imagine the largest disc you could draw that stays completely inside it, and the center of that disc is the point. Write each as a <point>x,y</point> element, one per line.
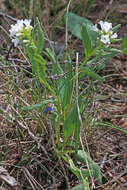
<point>57,105</point>
<point>46,84</point>
<point>93,53</point>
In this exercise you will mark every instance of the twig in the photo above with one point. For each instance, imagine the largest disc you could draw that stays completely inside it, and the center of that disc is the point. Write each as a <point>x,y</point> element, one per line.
<point>65,175</point>
<point>8,16</point>
<point>104,160</point>
<point>118,177</point>
<point>37,139</point>
<point>34,184</point>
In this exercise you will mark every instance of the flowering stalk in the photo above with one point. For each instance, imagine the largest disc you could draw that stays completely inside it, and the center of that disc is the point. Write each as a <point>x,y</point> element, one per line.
<point>21,33</point>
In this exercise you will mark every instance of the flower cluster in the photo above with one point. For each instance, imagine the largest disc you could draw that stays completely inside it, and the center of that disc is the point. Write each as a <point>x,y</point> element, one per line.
<point>21,31</point>
<point>105,32</point>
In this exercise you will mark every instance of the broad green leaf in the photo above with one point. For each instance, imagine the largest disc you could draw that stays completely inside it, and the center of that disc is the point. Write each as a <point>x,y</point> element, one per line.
<point>74,24</point>
<point>82,186</point>
<point>95,170</point>
<point>86,41</point>
<point>78,187</point>
<point>71,123</point>
<point>83,156</point>
<point>124,46</point>
<point>79,173</point>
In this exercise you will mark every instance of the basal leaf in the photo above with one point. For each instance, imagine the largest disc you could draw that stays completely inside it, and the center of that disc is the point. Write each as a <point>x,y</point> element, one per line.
<point>74,24</point>
<point>79,173</point>
<point>86,41</point>
<point>82,186</point>
<point>71,123</point>
<point>78,187</point>
<point>83,157</point>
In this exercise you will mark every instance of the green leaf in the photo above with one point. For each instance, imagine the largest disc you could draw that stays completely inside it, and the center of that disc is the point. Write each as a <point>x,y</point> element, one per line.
<point>85,71</point>
<point>78,187</point>
<point>40,40</point>
<point>71,123</point>
<point>116,27</point>
<point>82,186</point>
<point>68,87</point>
<point>79,173</point>
<point>50,55</point>
<point>74,24</point>
<point>30,53</point>
<point>95,170</point>
<point>35,106</point>
<point>124,46</point>
<point>40,66</point>
<point>83,156</point>
<point>59,84</point>
<point>86,41</point>
<point>38,36</point>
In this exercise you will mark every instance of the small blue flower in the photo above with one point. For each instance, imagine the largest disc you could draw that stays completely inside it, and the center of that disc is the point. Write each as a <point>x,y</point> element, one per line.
<point>48,109</point>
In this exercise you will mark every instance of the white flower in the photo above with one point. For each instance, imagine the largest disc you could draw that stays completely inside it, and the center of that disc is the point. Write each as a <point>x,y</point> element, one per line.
<point>106,26</point>
<point>114,36</point>
<point>105,33</point>
<point>27,24</point>
<point>95,28</point>
<point>17,30</point>
<point>105,39</point>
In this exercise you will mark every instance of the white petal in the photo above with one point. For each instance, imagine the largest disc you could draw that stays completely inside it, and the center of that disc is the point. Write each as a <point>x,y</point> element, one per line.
<point>106,26</point>
<point>105,39</point>
<point>26,41</point>
<point>27,24</point>
<point>95,28</point>
<point>19,34</point>
<point>114,35</point>
<point>15,41</point>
